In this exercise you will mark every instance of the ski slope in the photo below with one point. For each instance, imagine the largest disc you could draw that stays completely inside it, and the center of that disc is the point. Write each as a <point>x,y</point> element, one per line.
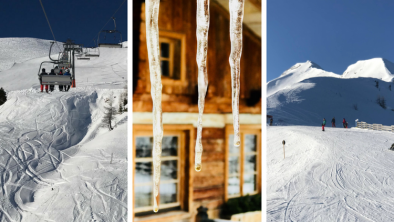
<point>339,174</point>
<point>336,175</point>
<point>57,162</point>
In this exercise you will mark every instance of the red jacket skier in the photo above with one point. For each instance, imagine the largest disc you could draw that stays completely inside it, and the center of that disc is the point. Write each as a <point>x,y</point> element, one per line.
<point>323,124</point>
<point>344,123</point>
<point>40,77</point>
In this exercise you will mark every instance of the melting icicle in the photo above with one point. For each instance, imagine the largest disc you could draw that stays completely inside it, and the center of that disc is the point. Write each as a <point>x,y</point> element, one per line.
<point>202,48</point>
<point>236,17</point>
<point>152,42</point>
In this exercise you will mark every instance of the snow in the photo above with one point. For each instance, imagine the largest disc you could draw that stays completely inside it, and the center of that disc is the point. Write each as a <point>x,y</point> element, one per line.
<point>299,98</point>
<point>339,174</point>
<point>375,68</point>
<point>55,158</point>
<point>17,50</point>
<point>336,175</point>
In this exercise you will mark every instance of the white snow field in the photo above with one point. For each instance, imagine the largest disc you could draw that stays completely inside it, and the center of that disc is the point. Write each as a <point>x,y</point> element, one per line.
<point>336,175</point>
<point>56,162</point>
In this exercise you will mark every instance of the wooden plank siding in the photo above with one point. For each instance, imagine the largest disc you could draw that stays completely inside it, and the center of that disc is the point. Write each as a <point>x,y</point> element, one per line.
<point>179,17</point>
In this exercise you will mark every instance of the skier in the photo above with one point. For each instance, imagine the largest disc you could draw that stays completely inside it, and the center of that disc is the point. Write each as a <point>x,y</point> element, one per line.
<point>344,123</point>
<point>323,124</point>
<point>40,78</point>
<point>60,86</point>
<point>271,120</point>
<point>333,122</point>
<point>52,87</point>
<point>67,73</point>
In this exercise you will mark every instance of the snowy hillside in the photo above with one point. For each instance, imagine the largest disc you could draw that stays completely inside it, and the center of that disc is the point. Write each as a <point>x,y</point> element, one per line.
<point>305,98</point>
<point>17,50</point>
<point>295,74</point>
<point>375,68</point>
<point>58,163</point>
<point>337,175</point>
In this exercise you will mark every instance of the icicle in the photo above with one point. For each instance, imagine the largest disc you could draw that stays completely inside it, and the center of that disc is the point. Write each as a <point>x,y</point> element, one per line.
<point>152,42</point>
<point>202,48</point>
<point>236,17</point>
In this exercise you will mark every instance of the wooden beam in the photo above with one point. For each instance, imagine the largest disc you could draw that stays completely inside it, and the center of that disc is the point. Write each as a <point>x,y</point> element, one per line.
<point>256,3</point>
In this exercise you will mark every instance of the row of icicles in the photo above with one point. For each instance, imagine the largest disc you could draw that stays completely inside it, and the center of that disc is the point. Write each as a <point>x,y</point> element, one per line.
<point>152,41</point>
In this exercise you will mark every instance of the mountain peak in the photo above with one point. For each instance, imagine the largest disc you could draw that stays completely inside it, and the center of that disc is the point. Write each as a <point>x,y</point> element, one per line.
<point>378,68</point>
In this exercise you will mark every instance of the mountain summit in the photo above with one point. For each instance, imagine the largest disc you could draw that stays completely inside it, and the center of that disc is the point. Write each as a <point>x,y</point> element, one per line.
<point>378,68</point>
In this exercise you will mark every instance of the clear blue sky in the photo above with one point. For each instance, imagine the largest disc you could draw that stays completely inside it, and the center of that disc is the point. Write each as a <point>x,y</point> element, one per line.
<point>332,33</point>
<point>79,20</point>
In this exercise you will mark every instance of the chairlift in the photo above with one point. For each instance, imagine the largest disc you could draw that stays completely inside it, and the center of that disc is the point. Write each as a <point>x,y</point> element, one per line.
<point>117,35</point>
<point>66,59</point>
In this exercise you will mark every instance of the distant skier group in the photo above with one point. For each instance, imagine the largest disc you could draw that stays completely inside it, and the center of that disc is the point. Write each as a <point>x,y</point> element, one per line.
<point>333,123</point>
<point>64,88</point>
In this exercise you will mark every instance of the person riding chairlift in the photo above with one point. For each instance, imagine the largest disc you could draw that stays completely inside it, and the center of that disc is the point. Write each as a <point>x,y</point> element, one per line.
<point>60,74</point>
<point>67,87</point>
<point>52,87</point>
<point>40,78</point>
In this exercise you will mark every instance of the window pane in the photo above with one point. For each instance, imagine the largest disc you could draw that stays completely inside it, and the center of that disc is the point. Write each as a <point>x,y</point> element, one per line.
<point>170,146</point>
<point>249,183</point>
<point>250,164</point>
<point>143,172</point>
<point>165,50</point>
<point>168,193</point>
<point>143,147</point>
<point>143,196</point>
<point>232,148</point>
<point>233,185</point>
<point>233,165</point>
<point>250,143</point>
<point>169,170</point>
<point>165,68</point>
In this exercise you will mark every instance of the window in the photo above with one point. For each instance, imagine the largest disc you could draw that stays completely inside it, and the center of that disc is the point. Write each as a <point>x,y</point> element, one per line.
<point>172,57</point>
<point>176,188</point>
<point>243,162</point>
<point>170,173</point>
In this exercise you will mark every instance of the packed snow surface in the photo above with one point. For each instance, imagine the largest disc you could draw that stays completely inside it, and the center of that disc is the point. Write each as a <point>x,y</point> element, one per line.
<point>336,175</point>
<point>56,161</point>
<point>17,50</point>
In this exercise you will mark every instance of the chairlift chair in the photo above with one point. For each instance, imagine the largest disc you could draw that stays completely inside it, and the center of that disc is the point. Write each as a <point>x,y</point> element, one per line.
<point>115,33</point>
<point>66,59</point>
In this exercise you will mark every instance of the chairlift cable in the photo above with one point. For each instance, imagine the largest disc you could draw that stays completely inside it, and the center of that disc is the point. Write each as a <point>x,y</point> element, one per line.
<point>109,19</point>
<point>49,24</point>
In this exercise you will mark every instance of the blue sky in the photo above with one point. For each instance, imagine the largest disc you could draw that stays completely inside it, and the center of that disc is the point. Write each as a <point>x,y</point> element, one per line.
<point>80,20</point>
<point>332,33</point>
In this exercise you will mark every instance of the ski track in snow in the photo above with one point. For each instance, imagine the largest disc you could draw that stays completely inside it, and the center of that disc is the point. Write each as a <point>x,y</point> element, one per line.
<point>336,175</point>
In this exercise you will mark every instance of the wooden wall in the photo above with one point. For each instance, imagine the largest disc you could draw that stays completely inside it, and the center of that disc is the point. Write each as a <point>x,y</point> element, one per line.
<point>180,16</point>
<point>208,184</point>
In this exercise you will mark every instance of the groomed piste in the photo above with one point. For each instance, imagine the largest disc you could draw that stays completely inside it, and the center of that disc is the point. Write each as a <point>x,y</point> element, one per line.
<point>340,174</point>
<point>57,163</point>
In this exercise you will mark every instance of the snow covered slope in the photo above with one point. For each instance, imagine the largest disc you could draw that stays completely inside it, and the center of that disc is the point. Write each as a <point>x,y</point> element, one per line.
<point>308,101</point>
<point>374,68</point>
<point>57,162</point>
<point>17,50</point>
<point>295,74</point>
<point>337,175</point>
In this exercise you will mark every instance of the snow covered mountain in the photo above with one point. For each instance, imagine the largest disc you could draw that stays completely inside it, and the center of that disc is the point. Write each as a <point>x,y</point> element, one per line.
<point>295,74</point>
<point>374,68</point>
<point>57,161</point>
<point>304,95</point>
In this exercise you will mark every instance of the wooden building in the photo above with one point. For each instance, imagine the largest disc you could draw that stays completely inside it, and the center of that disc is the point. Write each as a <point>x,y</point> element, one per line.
<point>227,171</point>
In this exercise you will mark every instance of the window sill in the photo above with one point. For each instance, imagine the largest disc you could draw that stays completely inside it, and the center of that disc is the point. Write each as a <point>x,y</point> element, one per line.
<point>167,216</point>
